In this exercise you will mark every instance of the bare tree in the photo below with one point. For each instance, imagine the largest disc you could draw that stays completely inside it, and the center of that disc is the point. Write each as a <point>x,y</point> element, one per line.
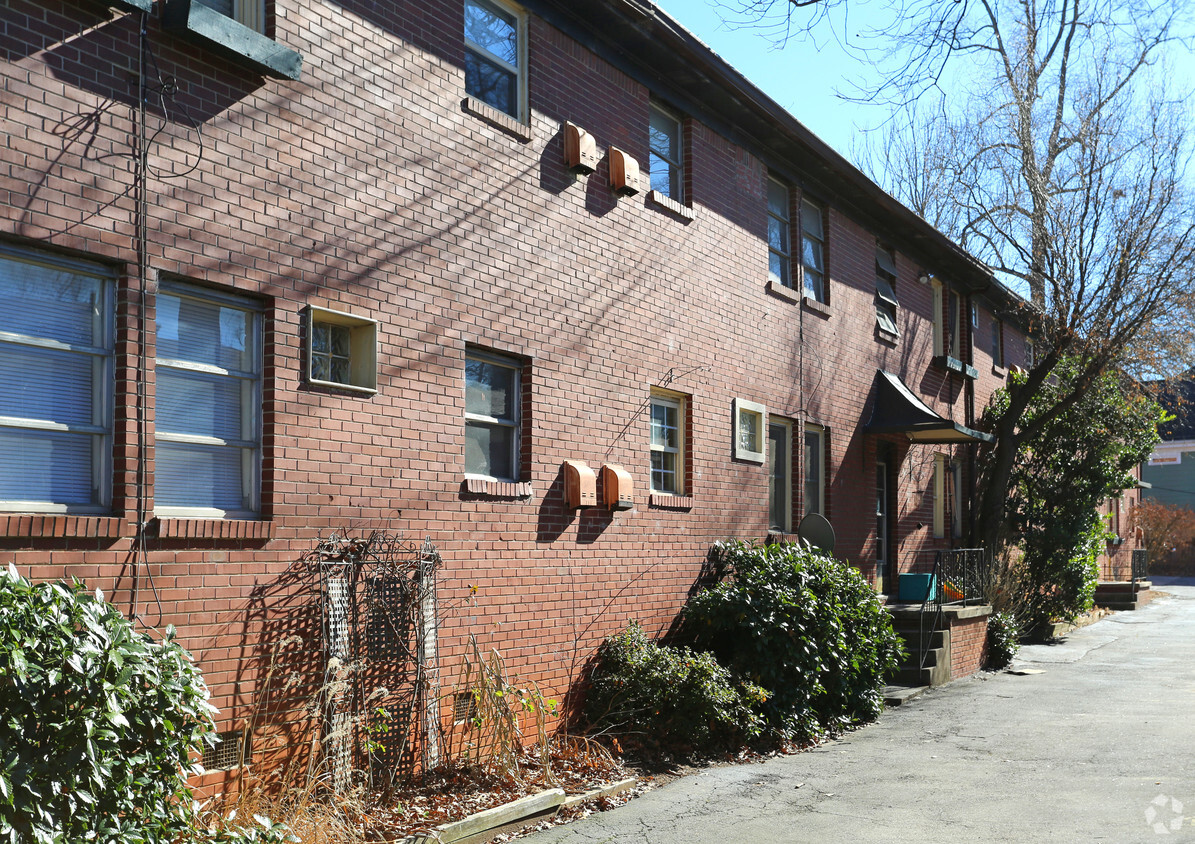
<point>1062,163</point>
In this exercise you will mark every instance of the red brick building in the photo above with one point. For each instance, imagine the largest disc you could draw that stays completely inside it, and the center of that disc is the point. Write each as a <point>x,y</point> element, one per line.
<point>337,275</point>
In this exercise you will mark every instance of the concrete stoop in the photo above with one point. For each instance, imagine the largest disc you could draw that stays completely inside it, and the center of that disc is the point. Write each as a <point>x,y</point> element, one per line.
<point>1122,594</point>
<point>927,661</point>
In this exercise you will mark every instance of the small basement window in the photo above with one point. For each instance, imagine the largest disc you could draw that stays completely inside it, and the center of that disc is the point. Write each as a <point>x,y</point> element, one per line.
<point>342,350</point>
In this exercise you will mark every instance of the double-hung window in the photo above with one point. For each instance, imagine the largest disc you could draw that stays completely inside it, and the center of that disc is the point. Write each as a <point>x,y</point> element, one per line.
<point>997,341</point>
<point>886,303</point>
<point>250,13</point>
<point>813,251</point>
<point>779,234</point>
<point>496,55</point>
<point>493,399</point>
<point>56,397</point>
<point>664,155</point>
<point>207,429</point>
<point>667,444</point>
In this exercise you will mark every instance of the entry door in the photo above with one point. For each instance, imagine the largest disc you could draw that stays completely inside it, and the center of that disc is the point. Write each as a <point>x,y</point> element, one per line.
<point>883,551</point>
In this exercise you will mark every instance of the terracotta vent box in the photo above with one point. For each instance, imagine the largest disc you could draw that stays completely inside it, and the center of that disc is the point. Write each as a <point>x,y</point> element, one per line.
<point>624,173</point>
<point>618,491</point>
<point>580,485</point>
<point>580,150</point>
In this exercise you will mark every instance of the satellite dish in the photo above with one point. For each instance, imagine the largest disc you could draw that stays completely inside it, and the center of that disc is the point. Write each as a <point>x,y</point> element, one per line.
<point>817,531</point>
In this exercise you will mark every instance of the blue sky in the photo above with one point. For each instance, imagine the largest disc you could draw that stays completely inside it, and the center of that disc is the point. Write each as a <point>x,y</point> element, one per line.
<point>802,77</point>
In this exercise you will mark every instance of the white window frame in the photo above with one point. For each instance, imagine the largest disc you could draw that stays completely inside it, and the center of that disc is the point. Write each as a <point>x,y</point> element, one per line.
<point>815,243</point>
<point>103,385</point>
<point>750,416</point>
<point>676,169</point>
<point>513,422</point>
<point>1030,353</point>
<point>251,382</point>
<point>363,349</point>
<point>782,253</point>
<point>520,72</point>
<point>780,500</point>
<point>815,503</point>
<point>679,404</point>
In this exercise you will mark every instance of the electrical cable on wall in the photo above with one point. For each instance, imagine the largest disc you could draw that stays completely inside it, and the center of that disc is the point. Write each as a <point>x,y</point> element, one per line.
<point>164,90</point>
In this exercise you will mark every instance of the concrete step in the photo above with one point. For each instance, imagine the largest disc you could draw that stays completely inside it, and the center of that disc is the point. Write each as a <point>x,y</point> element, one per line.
<point>914,639</point>
<point>911,677</point>
<point>1117,605</point>
<point>897,695</point>
<point>934,671</point>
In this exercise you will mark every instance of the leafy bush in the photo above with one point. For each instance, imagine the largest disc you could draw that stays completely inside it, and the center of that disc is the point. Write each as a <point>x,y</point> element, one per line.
<point>97,724</point>
<point>1081,454</point>
<point>674,695</point>
<point>801,624</point>
<point>1004,639</point>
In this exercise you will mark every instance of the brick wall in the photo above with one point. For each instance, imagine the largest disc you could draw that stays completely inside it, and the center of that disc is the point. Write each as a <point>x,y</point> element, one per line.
<point>968,645</point>
<point>365,187</point>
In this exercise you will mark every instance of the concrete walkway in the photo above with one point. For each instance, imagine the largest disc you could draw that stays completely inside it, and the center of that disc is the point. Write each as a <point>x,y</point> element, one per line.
<point>1097,747</point>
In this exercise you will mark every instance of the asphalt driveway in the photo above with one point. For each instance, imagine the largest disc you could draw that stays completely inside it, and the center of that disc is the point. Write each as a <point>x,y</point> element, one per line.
<point>1096,747</point>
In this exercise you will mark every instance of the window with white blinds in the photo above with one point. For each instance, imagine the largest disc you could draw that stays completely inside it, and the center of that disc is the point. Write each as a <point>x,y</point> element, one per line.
<point>56,353</point>
<point>208,405</point>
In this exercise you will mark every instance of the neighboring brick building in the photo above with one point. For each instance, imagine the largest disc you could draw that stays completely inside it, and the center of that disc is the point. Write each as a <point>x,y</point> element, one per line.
<point>358,289</point>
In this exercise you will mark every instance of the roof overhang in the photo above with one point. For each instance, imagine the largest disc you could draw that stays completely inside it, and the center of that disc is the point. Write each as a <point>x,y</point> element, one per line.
<point>897,410</point>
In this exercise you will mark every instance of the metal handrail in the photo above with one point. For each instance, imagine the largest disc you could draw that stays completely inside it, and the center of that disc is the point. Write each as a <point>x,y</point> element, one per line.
<point>959,576</point>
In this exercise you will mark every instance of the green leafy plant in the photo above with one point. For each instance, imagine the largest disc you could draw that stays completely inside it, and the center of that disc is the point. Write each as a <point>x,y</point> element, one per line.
<point>668,695</point>
<point>1004,639</point>
<point>805,626</point>
<point>98,724</point>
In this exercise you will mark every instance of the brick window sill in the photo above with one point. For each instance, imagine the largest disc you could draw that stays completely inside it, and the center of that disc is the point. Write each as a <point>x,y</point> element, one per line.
<point>669,204</point>
<point>666,501</point>
<point>182,528</point>
<point>819,308</point>
<point>786,293</point>
<point>498,489</point>
<point>885,336</point>
<point>61,525</point>
<point>496,118</point>
<point>1000,371</point>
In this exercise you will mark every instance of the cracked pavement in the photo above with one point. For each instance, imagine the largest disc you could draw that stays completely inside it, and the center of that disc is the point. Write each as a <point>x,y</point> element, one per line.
<point>1097,747</point>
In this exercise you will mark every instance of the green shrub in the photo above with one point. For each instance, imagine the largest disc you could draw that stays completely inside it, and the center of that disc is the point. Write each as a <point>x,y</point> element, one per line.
<point>97,724</point>
<point>801,624</point>
<point>1004,639</point>
<point>672,695</point>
